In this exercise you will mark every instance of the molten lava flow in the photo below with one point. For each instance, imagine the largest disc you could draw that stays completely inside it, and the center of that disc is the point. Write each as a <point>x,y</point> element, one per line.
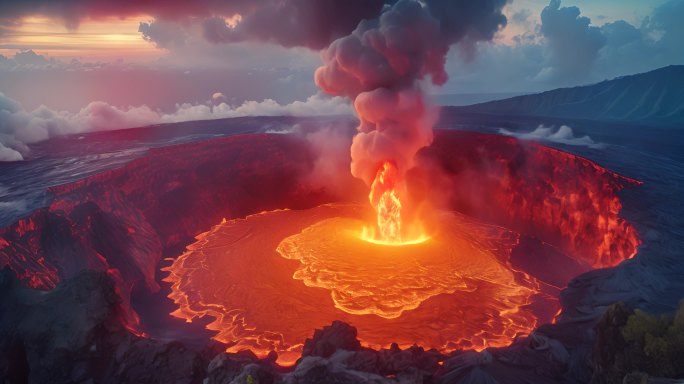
<point>269,280</point>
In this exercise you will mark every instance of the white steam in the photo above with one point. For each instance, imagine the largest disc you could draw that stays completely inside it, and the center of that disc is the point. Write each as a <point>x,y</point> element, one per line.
<point>562,135</point>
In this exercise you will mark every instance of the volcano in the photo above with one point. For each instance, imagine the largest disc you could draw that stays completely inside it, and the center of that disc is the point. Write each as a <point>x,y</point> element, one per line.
<point>276,256</point>
<point>248,239</point>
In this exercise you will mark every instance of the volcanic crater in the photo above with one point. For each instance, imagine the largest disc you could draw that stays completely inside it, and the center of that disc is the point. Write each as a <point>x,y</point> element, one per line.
<point>271,254</point>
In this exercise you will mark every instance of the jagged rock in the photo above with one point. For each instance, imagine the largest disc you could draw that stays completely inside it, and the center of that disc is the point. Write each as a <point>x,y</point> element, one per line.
<point>345,356</point>
<point>394,361</point>
<point>326,341</point>
<point>56,334</point>
<point>315,370</point>
<point>536,358</point>
<point>255,373</point>
<point>144,360</point>
<point>225,367</point>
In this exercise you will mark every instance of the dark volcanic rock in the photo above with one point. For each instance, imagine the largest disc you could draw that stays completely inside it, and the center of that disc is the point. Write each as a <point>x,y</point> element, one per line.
<point>56,333</point>
<point>314,370</point>
<point>225,367</point>
<point>76,334</point>
<point>533,359</point>
<point>326,341</point>
<point>129,218</point>
<point>334,355</point>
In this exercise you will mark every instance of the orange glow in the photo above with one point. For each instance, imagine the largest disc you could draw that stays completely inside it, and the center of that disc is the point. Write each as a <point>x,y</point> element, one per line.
<point>102,39</point>
<point>383,198</point>
<point>390,227</point>
<point>269,280</point>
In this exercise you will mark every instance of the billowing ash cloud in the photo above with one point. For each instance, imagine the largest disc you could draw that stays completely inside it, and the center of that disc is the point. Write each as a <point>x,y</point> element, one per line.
<point>381,64</point>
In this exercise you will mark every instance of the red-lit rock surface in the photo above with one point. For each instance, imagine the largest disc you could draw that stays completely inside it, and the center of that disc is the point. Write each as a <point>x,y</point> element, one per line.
<point>124,221</point>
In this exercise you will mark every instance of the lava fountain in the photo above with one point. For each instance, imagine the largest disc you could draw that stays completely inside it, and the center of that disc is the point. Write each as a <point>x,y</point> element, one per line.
<point>386,199</point>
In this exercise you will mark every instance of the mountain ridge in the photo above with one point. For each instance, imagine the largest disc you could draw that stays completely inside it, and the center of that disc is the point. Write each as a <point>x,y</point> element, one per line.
<point>655,97</point>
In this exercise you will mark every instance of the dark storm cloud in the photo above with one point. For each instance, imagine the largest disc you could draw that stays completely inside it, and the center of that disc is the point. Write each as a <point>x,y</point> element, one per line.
<point>620,33</point>
<point>313,24</point>
<point>407,43</point>
<point>163,34</point>
<point>476,20</point>
<point>573,43</point>
<point>667,28</point>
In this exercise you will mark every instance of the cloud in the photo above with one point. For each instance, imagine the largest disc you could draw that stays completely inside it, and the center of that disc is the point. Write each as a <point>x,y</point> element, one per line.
<point>163,33</point>
<point>562,135</point>
<point>316,105</point>
<point>28,60</point>
<point>9,154</point>
<point>573,44</point>
<point>521,16</point>
<point>19,127</point>
<point>289,23</point>
<point>564,49</point>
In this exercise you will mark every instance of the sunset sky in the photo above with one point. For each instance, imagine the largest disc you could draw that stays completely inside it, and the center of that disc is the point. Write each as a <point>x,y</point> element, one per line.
<point>160,54</point>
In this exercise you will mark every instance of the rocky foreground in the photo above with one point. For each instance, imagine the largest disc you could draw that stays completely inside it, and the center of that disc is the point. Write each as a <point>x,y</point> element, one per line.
<point>76,333</point>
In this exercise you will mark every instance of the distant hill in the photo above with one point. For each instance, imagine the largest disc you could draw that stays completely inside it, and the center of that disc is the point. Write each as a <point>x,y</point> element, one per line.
<point>655,97</point>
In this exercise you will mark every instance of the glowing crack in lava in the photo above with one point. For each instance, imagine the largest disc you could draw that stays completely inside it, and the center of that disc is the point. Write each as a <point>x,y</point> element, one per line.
<point>272,278</point>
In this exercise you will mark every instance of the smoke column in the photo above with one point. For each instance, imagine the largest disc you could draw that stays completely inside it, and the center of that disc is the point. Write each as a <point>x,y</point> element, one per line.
<point>381,64</point>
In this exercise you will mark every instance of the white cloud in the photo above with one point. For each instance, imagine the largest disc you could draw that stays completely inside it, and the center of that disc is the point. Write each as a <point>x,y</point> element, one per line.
<point>9,154</point>
<point>562,135</point>
<point>19,127</point>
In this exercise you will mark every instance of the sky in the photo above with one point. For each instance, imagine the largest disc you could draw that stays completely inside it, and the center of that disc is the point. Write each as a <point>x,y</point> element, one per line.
<point>63,62</point>
<point>142,56</point>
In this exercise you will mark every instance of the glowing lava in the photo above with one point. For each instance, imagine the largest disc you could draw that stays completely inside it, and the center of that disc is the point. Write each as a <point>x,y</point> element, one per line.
<point>270,279</point>
<point>385,198</point>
